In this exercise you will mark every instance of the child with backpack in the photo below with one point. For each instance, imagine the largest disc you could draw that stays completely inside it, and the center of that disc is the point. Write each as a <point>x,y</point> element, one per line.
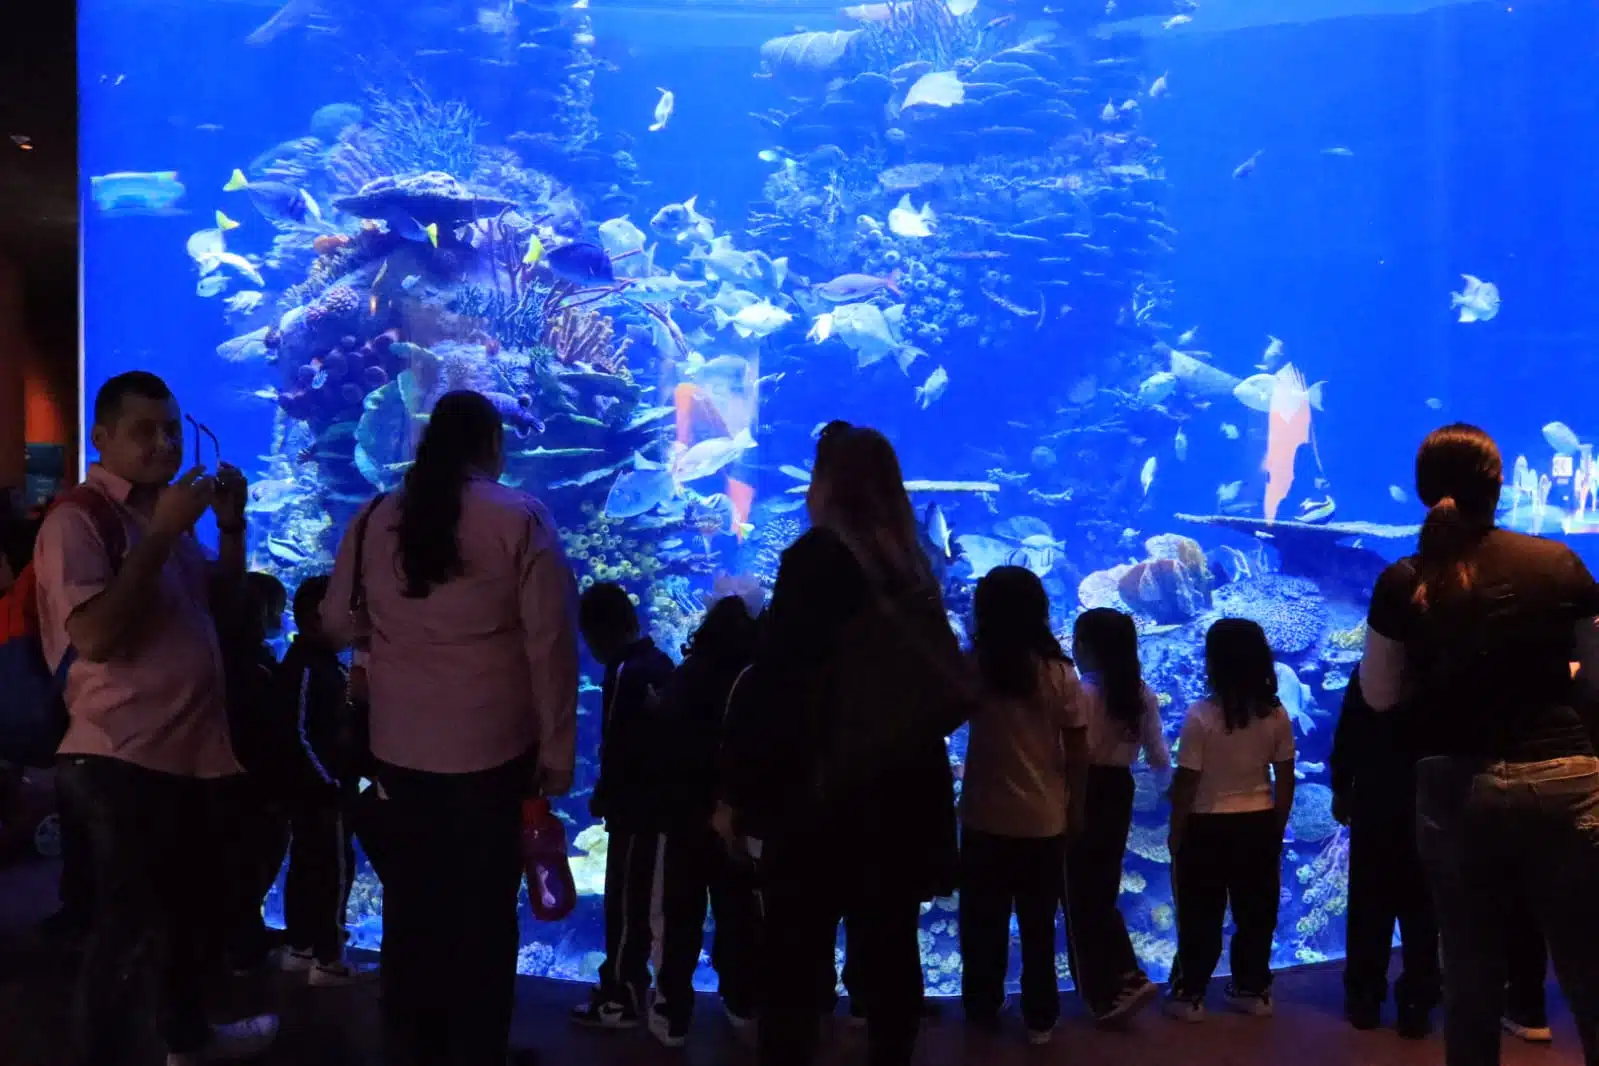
<point>321,779</point>
<point>629,797</point>
<point>1123,716</point>
<point>696,866</point>
<point>1025,761</point>
<point>1231,799</point>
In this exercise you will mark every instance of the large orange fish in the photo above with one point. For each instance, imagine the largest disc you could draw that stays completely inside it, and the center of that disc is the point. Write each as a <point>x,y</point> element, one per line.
<point>697,416</point>
<point>743,497</point>
<point>1288,427</point>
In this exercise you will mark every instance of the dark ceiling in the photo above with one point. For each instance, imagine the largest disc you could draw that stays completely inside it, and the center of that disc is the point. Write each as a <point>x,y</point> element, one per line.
<point>38,188</point>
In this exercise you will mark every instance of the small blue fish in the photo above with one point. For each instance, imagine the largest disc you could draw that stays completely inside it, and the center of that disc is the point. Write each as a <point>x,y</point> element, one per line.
<point>320,380</point>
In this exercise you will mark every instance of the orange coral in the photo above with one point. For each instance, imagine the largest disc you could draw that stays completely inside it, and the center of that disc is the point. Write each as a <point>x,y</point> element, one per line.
<point>329,243</point>
<point>578,335</point>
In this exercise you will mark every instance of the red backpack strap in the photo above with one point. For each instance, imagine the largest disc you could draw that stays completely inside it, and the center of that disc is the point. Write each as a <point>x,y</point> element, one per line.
<point>103,515</point>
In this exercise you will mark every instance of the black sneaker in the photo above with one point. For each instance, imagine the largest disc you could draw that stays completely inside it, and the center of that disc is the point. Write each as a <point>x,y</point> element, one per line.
<point>1415,1023</point>
<point>605,1012</point>
<point>1363,1014</point>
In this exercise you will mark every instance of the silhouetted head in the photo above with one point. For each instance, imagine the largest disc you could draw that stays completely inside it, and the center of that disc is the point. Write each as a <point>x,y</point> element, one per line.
<point>1458,476</point>
<point>138,429</point>
<point>1105,643</point>
<point>728,633</point>
<point>1012,633</point>
<point>462,441</point>
<point>608,620</point>
<point>269,595</point>
<point>858,491</point>
<point>308,606</point>
<point>1240,671</point>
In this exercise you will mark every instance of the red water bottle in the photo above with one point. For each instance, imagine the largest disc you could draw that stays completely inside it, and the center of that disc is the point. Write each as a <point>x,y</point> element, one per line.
<point>551,891</point>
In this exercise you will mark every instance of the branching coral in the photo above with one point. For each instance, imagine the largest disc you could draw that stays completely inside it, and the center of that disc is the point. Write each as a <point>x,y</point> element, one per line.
<point>516,321</point>
<point>578,335</point>
<point>412,134</point>
<point>921,30</point>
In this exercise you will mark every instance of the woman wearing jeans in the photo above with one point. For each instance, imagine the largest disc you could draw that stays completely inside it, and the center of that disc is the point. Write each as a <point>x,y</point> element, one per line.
<point>1480,629</point>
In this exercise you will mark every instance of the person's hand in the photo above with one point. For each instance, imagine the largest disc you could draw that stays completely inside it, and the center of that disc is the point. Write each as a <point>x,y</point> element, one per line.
<point>1340,808</point>
<point>232,493</point>
<point>722,824</point>
<point>553,781</point>
<point>181,503</point>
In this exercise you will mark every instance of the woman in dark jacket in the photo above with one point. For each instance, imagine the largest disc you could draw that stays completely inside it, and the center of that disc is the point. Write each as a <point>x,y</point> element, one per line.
<point>876,849</point>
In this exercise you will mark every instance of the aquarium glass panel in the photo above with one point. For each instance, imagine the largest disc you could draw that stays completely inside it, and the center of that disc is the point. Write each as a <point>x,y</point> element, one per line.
<point>1155,299</point>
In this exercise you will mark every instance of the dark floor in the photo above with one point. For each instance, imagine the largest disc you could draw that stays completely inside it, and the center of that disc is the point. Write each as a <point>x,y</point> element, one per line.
<point>336,1027</point>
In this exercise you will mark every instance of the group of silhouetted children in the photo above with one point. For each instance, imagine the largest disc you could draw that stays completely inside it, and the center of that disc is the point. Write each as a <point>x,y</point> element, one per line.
<point>295,730</point>
<point>1046,806</point>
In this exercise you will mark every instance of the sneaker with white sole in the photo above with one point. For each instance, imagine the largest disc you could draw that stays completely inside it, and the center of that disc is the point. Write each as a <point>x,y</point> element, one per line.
<point>667,1032</point>
<point>1184,1008</point>
<point>243,1039</point>
<point>1533,1030</point>
<point>1128,1002</point>
<point>341,973</point>
<point>604,1012</point>
<point>293,960</point>
<point>740,1022</point>
<point>1257,1004</point>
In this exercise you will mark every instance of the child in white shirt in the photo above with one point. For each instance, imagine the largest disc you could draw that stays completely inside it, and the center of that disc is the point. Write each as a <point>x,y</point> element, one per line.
<point>1024,763</point>
<point>1230,804</point>
<point>1123,717</point>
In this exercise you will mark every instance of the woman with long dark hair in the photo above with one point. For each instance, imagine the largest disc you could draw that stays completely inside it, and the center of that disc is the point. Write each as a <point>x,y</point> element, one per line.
<point>460,589</point>
<point>1122,716</point>
<point>1026,757</point>
<point>850,828</point>
<point>1229,805</point>
<point>1480,630</point>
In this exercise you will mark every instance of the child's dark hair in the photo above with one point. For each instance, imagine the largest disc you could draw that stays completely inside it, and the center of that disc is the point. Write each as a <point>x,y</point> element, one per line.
<point>308,602</point>
<point>1106,642</point>
<point>267,592</point>
<point>1011,610</point>
<point>605,608</point>
<point>1240,671</point>
<point>727,634</point>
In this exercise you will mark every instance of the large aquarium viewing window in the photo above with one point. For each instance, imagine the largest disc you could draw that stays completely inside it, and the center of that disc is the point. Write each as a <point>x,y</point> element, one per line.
<point>1154,298</point>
